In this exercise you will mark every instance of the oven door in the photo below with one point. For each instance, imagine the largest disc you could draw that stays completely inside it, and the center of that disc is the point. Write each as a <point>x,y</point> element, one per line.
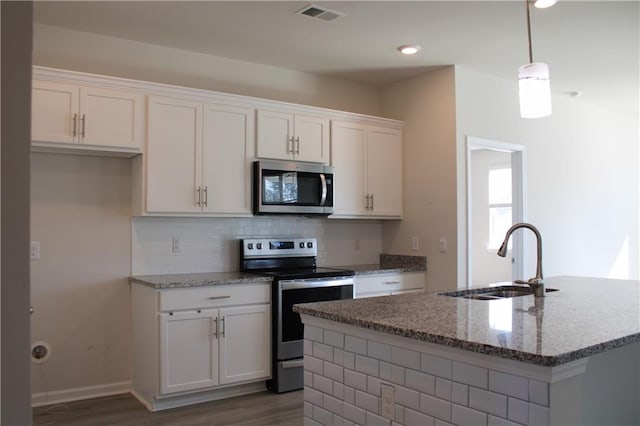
<point>291,292</point>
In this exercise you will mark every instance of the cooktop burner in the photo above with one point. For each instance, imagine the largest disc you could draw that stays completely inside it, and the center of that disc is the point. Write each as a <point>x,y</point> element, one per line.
<point>292,273</point>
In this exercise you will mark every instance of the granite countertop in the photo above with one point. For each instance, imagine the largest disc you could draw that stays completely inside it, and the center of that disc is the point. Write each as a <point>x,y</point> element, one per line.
<point>198,280</point>
<point>585,317</point>
<point>390,263</point>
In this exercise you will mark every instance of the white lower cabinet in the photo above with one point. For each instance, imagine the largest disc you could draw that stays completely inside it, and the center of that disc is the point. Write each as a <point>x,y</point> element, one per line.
<point>207,341</point>
<point>388,284</point>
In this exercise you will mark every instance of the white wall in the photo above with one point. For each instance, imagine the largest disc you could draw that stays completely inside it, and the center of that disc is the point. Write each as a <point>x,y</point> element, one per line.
<point>211,244</point>
<point>427,104</point>
<point>80,51</point>
<point>80,213</point>
<point>487,267</point>
<point>581,173</point>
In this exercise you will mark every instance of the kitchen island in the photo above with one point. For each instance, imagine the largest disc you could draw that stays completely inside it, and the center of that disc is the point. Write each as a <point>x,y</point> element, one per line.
<point>572,357</point>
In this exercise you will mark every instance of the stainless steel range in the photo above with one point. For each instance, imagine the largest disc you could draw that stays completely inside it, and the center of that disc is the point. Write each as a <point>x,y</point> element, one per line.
<point>296,279</point>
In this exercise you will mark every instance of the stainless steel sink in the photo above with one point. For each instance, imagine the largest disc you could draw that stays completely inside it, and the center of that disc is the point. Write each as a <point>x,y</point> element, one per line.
<point>493,293</point>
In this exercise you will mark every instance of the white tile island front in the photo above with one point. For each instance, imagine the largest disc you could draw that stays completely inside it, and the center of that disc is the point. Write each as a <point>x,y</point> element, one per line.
<point>572,357</point>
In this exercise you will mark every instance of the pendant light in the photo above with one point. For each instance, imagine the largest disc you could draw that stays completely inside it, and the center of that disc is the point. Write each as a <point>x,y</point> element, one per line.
<point>533,82</point>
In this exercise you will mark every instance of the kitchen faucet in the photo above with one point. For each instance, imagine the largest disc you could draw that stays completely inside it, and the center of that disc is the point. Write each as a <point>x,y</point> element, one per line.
<point>536,283</point>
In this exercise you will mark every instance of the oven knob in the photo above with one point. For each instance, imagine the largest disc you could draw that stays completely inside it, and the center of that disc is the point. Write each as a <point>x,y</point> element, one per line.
<point>309,244</point>
<point>259,246</point>
<point>250,246</point>
<point>301,245</point>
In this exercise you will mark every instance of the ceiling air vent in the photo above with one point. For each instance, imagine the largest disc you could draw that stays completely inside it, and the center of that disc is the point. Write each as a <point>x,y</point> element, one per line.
<point>321,13</point>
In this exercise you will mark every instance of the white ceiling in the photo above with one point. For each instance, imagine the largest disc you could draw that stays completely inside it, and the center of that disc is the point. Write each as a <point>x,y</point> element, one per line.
<point>590,46</point>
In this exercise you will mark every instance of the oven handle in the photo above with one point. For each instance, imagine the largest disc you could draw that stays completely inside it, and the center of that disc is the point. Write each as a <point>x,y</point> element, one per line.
<point>315,282</point>
<point>296,363</point>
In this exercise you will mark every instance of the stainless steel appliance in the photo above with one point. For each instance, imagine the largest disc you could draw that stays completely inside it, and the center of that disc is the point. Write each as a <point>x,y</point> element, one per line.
<point>286,187</point>
<point>296,279</point>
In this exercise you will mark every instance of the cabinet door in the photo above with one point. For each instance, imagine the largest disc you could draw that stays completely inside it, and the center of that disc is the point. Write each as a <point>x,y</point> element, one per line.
<point>348,141</point>
<point>275,132</point>
<point>227,152</point>
<point>54,112</point>
<point>188,351</point>
<point>384,171</point>
<point>245,339</point>
<point>173,156</point>
<point>311,135</point>
<point>110,117</point>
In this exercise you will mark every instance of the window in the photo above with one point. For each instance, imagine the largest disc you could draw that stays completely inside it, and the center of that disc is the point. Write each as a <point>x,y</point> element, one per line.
<point>500,205</point>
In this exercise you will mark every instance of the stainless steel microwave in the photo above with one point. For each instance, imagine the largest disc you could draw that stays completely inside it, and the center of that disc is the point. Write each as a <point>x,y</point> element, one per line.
<point>288,187</point>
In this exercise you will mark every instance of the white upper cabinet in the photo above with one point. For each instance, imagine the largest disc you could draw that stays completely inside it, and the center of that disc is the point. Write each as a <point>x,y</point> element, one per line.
<point>368,170</point>
<point>286,136</point>
<point>85,117</point>
<point>198,158</point>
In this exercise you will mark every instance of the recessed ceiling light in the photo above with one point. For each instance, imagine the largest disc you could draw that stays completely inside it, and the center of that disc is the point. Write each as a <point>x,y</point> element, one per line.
<point>409,49</point>
<point>541,4</point>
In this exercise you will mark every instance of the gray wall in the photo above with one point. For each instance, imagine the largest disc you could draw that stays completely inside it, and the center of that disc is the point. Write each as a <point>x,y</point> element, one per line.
<point>15,142</point>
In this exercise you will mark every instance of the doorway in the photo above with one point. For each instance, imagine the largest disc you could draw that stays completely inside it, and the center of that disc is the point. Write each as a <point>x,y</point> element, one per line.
<point>495,201</point>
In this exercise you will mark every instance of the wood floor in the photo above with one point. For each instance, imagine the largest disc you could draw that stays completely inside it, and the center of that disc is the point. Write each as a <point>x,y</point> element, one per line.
<point>259,409</point>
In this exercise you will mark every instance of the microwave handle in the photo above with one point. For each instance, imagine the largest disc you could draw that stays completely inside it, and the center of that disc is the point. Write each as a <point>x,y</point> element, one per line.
<point>323,181</point>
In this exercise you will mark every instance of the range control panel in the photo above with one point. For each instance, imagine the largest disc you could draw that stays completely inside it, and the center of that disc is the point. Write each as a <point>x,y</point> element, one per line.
<point>285,247</point>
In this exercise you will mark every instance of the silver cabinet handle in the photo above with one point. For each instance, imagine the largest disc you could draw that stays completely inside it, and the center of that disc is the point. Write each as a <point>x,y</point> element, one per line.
<point>75,119</point>
<point>391,282</point>
<point>215,328</point>
<point>223,326</point>
<point>366,197</point>
<point>219,297</point>
<point>298,145</point>
<point>290,150</point>
<point>371,201</point>
<point>206,196</point>
<point>323,182</point>
<point>31,310</point>
<point>82,120</point>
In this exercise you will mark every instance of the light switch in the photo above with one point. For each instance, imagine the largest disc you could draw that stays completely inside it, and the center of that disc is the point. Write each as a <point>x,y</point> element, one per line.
<point>415,244</point>
<point>443,245</point>
<point>35,250</point>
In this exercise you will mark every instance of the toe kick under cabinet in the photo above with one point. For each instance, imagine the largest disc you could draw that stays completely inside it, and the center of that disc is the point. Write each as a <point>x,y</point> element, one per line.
<point>198,344</point>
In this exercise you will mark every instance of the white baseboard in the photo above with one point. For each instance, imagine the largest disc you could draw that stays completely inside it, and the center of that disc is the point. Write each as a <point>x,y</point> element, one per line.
<point>75,394</point>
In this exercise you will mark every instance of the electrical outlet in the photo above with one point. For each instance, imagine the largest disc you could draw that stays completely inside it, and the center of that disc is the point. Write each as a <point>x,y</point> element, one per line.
<point>415,244</point>
<point>176,245</point>
<point>443,245</point>
<point>35,250</point>
<point>388,397</point>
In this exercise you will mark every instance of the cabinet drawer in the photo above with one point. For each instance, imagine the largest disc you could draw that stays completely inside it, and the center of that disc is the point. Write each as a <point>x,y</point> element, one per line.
<point>214,296</point>
<point>389,282</point>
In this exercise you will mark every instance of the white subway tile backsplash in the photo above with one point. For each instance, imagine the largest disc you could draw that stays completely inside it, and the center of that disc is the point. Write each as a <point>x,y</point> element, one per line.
<point>308,378</point>
<point>334,372</point>
<point>308,409</point>
<point>408,397</point>
<point>439,422</point>
<point>379,351</point>
<point>435,407</point>
<point>518,410</point>
<point>509,384</point>
<point>470,374</point>
<point>367,402</point>
<point>443,388</point>
<point>539,392</point>
<point>312,396</point>
<point>489,402</point>
<point>354,414</point>
<point>323,384</point>
<point>338,390</point>
<point>460,393</point>
<point>415,418</point>
<point>464,416</point>
<point>375,420</point>
<point>405,357</point>
<point>334,338</point>
<point>436,365</point>
<point>399,418</point>
<point>373,386</point>
<point>349,395</point>
<point>497,421</point>
<point>538,415</point>
<point>368,365</point>
<point>355,344</point>
<point>425,383</point>
<point>322,351</point>
<point>322,416</point>
<point>211,244</point>
<point>308,347</point>
<point>355,380</point>
<point>392,373</point>
<point>313,333</point>
<point>308,421</point>
<point>334,405</point>
<point>313,365</point>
